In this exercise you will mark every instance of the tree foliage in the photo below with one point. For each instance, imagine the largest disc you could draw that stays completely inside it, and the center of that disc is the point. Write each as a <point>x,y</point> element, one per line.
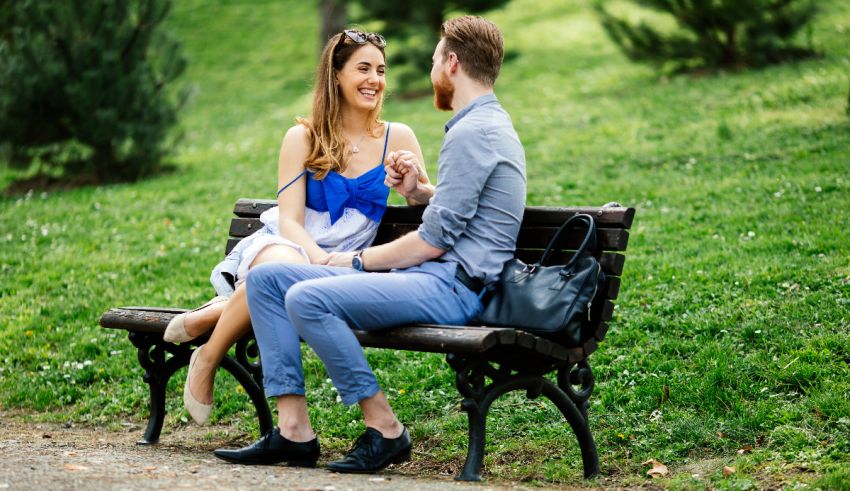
<point>713,33</point>
<point>84,85</point>
<point>415,29</point>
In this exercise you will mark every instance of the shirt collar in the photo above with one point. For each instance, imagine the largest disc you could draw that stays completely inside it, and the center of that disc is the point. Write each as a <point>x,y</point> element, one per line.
<point>478,101</point>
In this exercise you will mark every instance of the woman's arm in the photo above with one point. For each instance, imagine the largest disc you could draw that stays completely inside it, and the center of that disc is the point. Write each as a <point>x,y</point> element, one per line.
<point>291,202</point>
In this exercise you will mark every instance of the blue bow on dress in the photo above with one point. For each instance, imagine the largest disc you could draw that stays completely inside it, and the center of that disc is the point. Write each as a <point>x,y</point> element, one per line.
<point>366,193</point>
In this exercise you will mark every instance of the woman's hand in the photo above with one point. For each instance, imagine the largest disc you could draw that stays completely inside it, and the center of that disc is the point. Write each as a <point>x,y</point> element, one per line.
<point>339,259</point>
<point>323,259</point>
<point>404,173</point>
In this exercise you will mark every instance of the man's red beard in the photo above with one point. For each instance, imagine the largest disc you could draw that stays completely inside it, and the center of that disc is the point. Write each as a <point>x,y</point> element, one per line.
<point>444,91</point>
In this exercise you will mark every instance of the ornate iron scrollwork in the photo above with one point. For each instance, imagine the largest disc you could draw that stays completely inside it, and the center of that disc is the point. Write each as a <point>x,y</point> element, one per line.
<point>248,355</point>
<point>581,375</point>
<point>471,375</point>
<point>158,369</point>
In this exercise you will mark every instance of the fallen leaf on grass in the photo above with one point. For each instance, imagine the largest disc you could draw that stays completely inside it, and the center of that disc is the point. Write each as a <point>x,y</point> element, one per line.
<point>728,471</point>
<point>75,467</point>
<point>658,469</point>
<point>745,449</point>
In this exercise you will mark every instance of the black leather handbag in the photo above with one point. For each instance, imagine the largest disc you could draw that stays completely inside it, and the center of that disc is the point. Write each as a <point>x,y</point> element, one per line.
<point>551,301</point>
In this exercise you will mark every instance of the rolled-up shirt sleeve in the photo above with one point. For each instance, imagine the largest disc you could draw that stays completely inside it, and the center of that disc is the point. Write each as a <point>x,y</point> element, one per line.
<point>465,163</point>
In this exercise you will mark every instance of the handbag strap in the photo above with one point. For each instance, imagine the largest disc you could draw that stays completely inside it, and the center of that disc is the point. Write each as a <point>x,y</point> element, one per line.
<point>588,243</point>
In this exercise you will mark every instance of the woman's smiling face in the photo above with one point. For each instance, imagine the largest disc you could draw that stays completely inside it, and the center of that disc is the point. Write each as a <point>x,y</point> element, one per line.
<point>361,79</point>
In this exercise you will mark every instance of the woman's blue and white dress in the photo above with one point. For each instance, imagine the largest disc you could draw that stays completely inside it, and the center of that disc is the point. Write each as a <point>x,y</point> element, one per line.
<point>341,214</point>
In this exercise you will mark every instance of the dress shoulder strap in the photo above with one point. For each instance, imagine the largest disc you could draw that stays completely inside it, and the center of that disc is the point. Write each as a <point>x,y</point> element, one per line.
<point>290,183</point>
<point>386,141</point>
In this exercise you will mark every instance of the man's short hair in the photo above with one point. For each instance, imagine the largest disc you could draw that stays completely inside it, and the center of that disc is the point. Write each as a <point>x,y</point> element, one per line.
<point>478,44</point>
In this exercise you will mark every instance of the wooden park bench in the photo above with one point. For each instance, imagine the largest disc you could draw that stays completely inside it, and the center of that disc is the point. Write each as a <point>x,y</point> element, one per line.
<point>488,362</point>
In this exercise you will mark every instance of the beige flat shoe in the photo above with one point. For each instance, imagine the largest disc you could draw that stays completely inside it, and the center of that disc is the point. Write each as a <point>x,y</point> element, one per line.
<point>199,411</point>
<point>175,332</point>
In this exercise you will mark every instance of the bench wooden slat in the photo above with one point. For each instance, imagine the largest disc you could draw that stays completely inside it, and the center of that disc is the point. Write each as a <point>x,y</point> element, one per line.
<point>534,215</point>
<point>607,310</point>
<point>435,339</point>
<point>601,331</point>
<point>590,346</point>
<point>610,239</point>
<point>253,208</point>
<point>421,337</point>
<point>613,283</point>
<point>612,263</point>
<point>141,319</point>
<point>555,216</point>
<point>612,288</point>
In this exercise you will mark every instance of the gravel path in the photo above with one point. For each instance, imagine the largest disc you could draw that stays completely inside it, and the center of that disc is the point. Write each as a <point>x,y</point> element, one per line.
<point>52,456</point>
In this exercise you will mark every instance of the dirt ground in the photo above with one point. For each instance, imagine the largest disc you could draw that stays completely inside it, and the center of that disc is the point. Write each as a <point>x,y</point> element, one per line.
<point>55,456</point>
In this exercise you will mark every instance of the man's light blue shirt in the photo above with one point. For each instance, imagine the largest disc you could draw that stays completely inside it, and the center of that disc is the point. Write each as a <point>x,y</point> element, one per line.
<point>477,208</point>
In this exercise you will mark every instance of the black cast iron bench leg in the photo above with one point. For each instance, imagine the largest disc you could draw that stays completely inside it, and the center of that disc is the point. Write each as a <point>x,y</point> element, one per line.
<point>158,371</point>
<point>478,399</point>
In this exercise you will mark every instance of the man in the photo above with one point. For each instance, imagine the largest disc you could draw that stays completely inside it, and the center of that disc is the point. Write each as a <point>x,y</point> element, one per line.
<point>439,273</point>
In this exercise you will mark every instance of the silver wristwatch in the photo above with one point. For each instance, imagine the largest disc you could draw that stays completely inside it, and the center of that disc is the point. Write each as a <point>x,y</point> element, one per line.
<point>357,261</point>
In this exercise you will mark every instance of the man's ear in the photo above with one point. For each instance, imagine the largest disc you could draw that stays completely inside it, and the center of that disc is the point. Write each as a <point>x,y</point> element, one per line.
<point>453,62</point>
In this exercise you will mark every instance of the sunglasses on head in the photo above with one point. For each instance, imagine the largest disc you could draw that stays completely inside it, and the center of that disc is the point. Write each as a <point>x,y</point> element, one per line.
<point>360,37</point>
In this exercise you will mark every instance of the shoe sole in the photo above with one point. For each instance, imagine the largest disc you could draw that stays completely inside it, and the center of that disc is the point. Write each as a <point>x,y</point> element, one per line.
<point>288,463</point>
<point>399,458</point>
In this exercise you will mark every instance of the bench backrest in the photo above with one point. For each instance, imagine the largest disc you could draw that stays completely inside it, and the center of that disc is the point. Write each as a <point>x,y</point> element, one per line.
<point>539,224</point>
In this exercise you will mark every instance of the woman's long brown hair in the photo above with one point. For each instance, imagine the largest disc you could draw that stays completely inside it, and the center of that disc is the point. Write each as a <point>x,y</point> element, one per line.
<point>329,148</point>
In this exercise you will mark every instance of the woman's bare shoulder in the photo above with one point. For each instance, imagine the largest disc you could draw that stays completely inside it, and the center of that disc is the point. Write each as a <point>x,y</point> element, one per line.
<point>298,133</point>
<point>401,134</point>
<point>401,129</point>
<point>295,149</point>
<point>297,140</point>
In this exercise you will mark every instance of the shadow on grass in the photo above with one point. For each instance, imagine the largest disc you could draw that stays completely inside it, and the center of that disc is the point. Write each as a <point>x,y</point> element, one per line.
<point>45,182</point>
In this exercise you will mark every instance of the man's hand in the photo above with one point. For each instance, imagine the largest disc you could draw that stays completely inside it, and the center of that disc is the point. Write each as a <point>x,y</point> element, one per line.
<point>402,172</point>
<point>406,176</point>
<point>404,252</point>
<point>340,259</point>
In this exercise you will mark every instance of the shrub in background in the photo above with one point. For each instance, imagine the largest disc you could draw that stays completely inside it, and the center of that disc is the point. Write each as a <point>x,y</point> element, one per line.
<point>85,86</point>
<point>712,33</point>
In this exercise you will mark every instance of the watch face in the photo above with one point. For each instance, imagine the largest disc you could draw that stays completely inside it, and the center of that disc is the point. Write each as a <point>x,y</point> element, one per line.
<point>357,263</point>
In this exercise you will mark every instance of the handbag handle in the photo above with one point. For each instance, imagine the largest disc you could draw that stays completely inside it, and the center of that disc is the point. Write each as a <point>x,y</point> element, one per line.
<point>589,241</point>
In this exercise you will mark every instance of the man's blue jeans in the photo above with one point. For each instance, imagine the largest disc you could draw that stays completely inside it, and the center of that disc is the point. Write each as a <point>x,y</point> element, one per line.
<point>322,304</point>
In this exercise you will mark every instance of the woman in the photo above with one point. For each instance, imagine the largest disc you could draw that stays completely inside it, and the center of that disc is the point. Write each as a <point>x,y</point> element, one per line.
<point>332,195</point>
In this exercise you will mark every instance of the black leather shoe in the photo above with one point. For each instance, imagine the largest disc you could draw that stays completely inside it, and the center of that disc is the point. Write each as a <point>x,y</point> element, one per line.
<point>372,453</point>
<point>274,448</point>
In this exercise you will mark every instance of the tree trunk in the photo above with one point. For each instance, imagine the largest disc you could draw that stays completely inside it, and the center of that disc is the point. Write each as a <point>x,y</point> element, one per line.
<point>730,49</point>
<point>103,160</point>
<point>334,19</point>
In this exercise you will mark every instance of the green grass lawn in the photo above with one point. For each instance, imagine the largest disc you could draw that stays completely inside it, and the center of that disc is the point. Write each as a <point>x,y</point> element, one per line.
<point>733,325</point>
